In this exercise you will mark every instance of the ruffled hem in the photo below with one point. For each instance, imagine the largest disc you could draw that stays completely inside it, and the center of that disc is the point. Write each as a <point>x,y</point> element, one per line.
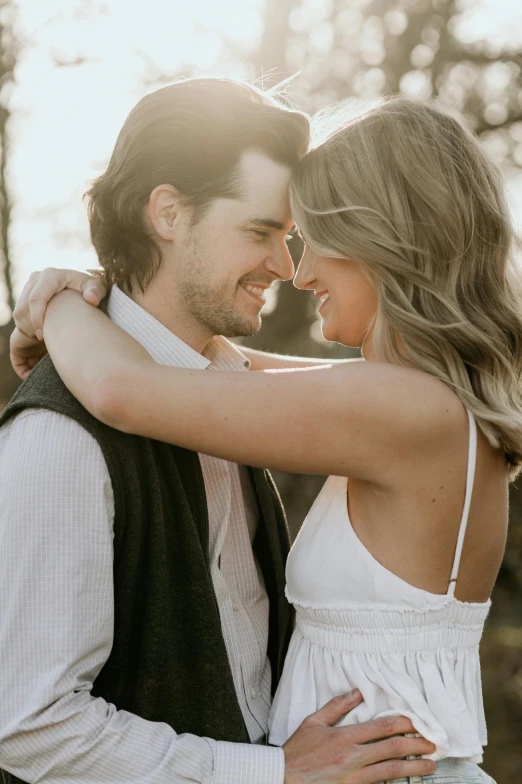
<point>439,691</point>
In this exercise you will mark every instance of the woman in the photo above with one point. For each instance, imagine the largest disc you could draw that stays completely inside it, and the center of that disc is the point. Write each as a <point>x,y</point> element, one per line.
<point>408,247</point>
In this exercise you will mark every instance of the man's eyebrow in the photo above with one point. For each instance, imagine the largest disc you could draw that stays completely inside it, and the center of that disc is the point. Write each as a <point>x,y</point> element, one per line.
<point>269,223</point>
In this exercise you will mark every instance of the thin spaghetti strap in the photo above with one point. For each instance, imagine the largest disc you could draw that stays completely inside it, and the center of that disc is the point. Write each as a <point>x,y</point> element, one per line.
<point>472,459</point>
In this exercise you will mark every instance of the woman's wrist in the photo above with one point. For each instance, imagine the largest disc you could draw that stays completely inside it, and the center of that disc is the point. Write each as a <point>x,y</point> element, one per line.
<point>99,363</point>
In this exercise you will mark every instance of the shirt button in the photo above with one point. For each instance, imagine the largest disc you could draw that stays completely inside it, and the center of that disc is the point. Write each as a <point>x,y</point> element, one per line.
<point>253,693</point>
<point>235,608</point>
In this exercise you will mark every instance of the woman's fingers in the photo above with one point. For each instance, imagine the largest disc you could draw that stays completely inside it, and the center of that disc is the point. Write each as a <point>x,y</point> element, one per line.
<point>94,288</point>
<point>21,313</point>
<point>42,286</point>
<point>50,282</point>
<point>25,353</point>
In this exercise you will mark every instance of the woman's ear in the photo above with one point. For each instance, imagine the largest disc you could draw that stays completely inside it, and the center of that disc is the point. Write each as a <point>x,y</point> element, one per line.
<point>164,211</point>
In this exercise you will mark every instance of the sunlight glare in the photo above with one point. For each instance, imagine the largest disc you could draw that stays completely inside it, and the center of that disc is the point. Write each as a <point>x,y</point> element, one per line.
<point>85,64</point>
<point>81,73</point>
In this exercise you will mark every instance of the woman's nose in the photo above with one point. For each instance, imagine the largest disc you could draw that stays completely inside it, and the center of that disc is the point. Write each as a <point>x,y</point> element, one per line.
<point>305,276</point>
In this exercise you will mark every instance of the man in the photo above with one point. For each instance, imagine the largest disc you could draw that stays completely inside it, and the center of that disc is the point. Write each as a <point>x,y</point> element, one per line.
<point>143,622</point>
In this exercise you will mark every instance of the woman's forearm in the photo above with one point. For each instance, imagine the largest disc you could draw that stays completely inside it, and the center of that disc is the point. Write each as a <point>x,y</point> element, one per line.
<point>264,360</point>
<point>89,352</point>
<point>345,420</point>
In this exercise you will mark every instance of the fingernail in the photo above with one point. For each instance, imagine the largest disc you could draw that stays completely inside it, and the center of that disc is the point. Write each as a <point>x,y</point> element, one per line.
<point>39,334</point>
<point>353,694</point>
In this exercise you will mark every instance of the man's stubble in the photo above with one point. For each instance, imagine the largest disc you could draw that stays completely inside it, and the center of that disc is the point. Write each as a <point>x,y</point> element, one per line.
<point>212,305</point>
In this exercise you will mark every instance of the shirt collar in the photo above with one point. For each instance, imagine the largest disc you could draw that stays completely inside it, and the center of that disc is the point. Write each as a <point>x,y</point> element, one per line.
<point>164,346</point>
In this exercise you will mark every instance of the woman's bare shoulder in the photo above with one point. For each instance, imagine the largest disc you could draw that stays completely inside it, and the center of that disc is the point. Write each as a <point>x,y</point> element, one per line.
<point>414,399</point>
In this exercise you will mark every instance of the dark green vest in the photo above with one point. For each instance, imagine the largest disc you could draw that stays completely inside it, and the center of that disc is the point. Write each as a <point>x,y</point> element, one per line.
<point>169,662</point>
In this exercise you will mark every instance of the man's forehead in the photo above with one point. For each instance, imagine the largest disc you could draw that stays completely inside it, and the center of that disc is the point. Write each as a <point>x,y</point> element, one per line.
<point>260,173</point>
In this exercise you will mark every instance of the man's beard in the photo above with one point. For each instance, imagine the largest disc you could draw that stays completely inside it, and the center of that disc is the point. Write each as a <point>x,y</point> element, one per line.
<point>209,307</point>
<point>212,307</point>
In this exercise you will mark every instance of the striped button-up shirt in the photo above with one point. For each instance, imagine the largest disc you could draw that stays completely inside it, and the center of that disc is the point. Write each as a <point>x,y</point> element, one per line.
<point>56,603</point>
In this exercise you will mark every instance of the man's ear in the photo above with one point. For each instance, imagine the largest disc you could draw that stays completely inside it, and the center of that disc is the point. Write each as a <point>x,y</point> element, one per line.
<point>165,210</point>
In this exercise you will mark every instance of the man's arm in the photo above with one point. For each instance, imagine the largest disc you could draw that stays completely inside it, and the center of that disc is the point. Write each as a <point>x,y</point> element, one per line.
<point>56,629</point>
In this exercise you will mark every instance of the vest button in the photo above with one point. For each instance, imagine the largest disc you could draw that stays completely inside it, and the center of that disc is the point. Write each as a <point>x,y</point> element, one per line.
<point>235,608</point>
<point>253,693</point>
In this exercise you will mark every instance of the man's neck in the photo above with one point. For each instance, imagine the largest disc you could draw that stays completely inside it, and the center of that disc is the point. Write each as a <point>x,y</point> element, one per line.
<point>164,305</point>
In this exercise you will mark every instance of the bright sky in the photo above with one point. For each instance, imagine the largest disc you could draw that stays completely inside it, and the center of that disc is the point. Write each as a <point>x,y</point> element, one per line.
<point>66,119</point>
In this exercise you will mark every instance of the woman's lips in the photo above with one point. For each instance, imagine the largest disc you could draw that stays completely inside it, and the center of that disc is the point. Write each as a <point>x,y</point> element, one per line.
<point>324,299</point>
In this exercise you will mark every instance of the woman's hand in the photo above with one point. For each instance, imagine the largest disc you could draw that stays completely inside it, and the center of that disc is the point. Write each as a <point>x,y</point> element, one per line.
<point>25,353</point>
<point>27,347</point>
<point>41,287</point>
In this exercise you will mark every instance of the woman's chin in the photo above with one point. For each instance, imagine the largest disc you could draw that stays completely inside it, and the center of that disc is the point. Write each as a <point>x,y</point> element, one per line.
<point>331,333</point>
<point>328,333</point>
<point>344,337</point>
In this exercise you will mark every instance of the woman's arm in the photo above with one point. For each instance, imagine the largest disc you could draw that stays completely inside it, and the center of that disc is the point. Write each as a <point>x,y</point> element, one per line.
<point>360,419</point>
<point>264,360</point>
<point>42,286</point>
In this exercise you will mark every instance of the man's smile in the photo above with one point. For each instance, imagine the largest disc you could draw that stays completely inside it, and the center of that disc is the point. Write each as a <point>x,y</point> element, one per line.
<point>256,292</point>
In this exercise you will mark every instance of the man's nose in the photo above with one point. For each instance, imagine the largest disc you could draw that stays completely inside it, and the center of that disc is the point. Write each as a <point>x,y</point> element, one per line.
<point>281,263</point>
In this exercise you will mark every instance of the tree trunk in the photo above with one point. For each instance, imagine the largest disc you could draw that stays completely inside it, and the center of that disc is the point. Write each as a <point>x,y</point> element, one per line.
<point>8,57</point>
<point>5,210</point>
<point>270,58</point>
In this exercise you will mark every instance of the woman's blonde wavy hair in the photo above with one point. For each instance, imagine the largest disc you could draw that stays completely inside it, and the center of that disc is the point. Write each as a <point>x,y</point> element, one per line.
<point>406,191</point>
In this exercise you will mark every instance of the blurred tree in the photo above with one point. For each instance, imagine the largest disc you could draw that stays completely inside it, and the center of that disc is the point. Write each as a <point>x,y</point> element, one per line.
<point>13,45</point>
<point>9,49</point>
<point>366,48</point>
<point>271,54</point>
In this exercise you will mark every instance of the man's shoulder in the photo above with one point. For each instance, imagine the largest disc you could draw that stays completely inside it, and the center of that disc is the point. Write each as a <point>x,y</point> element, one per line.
<point>44,456</point>
<point>31,419</point>
<point>47,437</point>
<point>44,416</point>
<point>35,420</point>
<point>50,465</point>
<point>42,389</point>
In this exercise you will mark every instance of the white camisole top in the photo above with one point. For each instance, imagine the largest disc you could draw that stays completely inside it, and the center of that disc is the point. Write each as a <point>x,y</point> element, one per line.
<point>410,652</point>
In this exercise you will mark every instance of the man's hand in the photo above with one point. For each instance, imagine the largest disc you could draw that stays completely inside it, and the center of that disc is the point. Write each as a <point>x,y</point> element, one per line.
<point>27,347</point>
<point>319,753</point>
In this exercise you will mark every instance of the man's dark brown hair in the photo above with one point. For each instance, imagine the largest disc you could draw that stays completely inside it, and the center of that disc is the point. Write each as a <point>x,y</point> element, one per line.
<point>191,135</point>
